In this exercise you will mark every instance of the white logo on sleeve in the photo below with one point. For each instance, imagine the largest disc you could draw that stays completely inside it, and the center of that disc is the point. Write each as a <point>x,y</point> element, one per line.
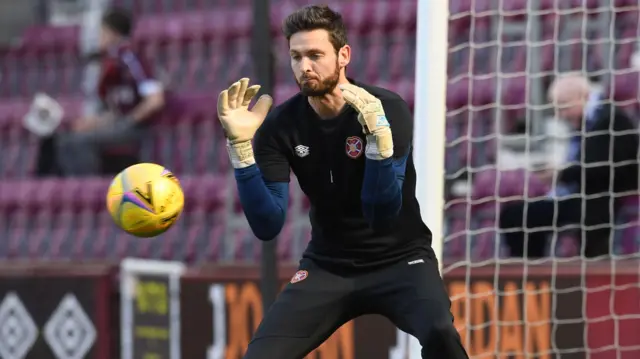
<point>417,261</point>
<point>302,151</point>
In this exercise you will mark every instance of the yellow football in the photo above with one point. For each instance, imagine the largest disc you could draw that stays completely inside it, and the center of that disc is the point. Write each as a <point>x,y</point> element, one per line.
<point>145,199</point>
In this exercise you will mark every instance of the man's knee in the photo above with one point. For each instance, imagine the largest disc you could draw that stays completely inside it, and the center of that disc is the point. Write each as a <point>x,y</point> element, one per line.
<point>439,330</point>
<point>442,341</point>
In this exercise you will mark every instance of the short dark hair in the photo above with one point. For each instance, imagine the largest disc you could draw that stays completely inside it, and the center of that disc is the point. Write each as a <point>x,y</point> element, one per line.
<point>314,17</point>
<point>118,20</point>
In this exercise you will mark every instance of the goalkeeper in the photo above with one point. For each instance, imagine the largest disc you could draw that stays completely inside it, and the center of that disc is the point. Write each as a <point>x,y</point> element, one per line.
<point>349,144</point>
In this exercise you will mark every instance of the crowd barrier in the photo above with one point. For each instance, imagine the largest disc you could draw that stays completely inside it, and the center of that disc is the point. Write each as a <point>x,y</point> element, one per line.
<point>163,310</point>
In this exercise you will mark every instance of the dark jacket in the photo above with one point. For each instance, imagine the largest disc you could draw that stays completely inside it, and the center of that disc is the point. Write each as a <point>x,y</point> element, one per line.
<point>608,156</point>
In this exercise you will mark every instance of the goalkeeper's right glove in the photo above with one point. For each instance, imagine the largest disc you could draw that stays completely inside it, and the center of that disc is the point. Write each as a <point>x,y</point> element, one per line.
<point>240,124</point>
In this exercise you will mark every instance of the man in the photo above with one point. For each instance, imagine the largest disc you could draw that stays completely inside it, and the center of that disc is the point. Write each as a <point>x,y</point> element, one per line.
<point>108,142</point>
<point>602,166</point>
<point>349,144</point>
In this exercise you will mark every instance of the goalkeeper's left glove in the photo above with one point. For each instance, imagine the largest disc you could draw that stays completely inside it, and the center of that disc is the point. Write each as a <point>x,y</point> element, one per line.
<point>373,120</point>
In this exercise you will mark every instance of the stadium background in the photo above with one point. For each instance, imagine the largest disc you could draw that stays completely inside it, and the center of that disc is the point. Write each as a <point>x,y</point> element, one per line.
<point>62,294</point>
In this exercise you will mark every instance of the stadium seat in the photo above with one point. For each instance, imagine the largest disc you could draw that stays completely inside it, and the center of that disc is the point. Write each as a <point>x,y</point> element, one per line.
<point>46,60</point>
<point>463,14</point>
<point>18,147</point>
<point>203,45</point>
<point>624,88</point>
<point>46,38</point>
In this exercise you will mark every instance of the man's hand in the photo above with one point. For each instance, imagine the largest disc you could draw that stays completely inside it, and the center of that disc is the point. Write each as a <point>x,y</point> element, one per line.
<point>240,124</point>
<point>373,120</point>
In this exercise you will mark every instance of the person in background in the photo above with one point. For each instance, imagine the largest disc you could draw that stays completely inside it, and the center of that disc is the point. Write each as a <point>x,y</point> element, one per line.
<point>602,166</point>
<point>131,97</point>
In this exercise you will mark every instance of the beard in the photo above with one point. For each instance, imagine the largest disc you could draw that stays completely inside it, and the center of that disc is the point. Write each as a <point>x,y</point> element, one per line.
<point>319,88</point>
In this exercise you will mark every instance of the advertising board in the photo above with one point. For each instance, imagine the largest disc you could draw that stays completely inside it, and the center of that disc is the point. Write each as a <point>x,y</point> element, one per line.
<point>162,310</point>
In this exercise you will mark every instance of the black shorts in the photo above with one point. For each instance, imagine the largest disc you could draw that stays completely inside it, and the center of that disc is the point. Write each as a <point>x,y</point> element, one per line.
<point>411,294</point>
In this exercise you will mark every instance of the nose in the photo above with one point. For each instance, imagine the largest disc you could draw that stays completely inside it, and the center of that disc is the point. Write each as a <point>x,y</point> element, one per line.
<point>305,65</point>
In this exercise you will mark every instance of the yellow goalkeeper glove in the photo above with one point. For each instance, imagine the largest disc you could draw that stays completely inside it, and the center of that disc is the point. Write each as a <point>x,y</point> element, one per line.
<point>240,124</point>
<point>373,120</point>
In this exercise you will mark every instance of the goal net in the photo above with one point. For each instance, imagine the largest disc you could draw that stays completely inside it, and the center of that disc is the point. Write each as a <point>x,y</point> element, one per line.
<point>501,136</point>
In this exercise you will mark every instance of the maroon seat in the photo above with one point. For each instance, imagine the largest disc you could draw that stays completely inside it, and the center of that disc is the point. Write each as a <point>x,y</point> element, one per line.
<point>496,185</point>
<point>86,234</point>
<point>42,38</point>
<point>516,10</point>
<point>197,238</point>
<point>624,88</point>
<point>514,99</point>
<point>63,235</point>
<point>465,12</point>
<point>465,91</point>
<point>46,60</point>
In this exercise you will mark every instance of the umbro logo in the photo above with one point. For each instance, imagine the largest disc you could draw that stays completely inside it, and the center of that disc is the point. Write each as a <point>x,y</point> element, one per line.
<point>301,151</point>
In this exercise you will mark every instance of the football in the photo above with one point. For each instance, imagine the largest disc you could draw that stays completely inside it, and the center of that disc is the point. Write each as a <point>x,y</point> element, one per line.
<point>145,200</point>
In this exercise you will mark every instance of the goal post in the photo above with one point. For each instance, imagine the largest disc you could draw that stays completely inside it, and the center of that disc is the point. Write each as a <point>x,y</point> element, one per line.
<point>482,128</point>
<point>429,122</point>
<point>430,114</point>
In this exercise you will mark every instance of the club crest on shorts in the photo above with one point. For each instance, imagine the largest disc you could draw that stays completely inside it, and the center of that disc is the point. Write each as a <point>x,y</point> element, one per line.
<point>354,147</point>
<point>299,276</point>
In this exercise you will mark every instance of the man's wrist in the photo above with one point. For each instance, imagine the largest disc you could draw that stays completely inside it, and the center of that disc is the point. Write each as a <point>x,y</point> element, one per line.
<point>241,154</point>
<point>379,146</point>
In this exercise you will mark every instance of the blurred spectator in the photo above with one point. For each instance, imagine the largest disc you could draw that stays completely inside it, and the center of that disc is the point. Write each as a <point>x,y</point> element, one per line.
<point>108,142</point>
<point>602,163</point>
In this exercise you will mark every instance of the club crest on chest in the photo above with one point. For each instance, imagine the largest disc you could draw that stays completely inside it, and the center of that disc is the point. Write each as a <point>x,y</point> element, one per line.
<point>354,147</point>
<point>299,276</point>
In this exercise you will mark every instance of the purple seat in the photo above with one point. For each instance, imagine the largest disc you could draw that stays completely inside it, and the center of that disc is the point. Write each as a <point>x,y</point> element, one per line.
<point>169,246</point>
<point>516,10</point>
<point>455,242</point>
<point>63,235</point>
<point>18,147</point>
<point>465,91</point>
<point>465,12</point>
<point>627,12</point>
<point>67,219</point>
<point>51,38</point>
<point>214,246</point>
<point>514,99</point>
<point>196,235</point>
<point>47,60</point>
<point>102,237</point>
<point>491,186</point>
<point>19,223</point>
<point>227,23</point>
<point>628,226</point>
<point>85,238</point>
<point>624,90</point>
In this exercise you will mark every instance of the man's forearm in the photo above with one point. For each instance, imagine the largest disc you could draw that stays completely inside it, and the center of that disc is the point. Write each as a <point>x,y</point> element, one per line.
<point>147,108</point>
<point>264,204</point>
<point>382,190</point>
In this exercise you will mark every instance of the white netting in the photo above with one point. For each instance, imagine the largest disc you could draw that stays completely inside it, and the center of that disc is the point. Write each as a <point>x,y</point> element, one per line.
<point>501,131</point>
